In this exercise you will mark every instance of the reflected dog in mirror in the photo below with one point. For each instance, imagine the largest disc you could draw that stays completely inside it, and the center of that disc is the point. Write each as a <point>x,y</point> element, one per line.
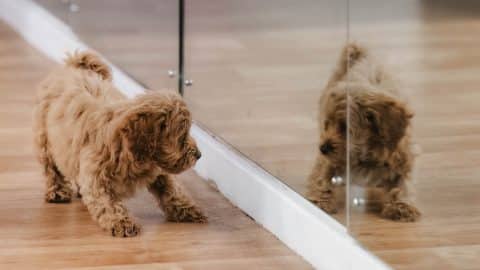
<point>380,148</point>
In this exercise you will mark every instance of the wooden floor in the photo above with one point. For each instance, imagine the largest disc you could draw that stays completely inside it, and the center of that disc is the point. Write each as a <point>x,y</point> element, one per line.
<point>259,67</point>
<point>37,235</point>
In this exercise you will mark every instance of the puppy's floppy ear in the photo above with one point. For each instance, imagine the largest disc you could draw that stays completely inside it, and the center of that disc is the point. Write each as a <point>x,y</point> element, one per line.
<point>388,120</point>
<point>141,132</point>
<point>373,120</point>
<point>146,123</point>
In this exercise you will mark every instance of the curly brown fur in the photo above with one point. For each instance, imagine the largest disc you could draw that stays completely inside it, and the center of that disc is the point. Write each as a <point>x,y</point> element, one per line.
<point>88,137</point>
<point>380,152</point>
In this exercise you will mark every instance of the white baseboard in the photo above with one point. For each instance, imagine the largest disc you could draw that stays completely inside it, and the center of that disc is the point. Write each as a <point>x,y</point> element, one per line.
<point>304,228</point>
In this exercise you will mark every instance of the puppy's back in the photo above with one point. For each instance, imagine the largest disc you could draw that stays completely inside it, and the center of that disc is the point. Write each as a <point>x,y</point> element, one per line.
<point>72,106</point>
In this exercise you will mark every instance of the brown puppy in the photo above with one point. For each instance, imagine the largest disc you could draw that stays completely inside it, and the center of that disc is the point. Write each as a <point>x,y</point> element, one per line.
<point>87,137</point>
<point>379,146</point>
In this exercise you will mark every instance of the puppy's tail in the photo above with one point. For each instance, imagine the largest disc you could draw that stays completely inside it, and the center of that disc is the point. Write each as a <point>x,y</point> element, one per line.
<point>349,56</point>
<point>352,52</point>
<point>89,60</point>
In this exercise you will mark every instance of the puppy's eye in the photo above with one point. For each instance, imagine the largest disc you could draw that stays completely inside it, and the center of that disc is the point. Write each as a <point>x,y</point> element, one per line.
<point>342,127</point>
<point>183,139</point>
<point>370,117</point>
<point>372,121</point>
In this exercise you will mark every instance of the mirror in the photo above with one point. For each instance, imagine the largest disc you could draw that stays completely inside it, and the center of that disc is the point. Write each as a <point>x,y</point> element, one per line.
<point>257,70</point>
<point>414,194</point>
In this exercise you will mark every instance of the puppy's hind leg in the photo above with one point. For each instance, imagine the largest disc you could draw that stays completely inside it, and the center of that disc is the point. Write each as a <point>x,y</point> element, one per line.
<point>58,190</point>
<point>176,204</point>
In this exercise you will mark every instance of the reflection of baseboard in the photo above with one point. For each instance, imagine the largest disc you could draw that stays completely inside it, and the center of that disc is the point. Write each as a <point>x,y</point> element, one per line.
<point>51,36</point>
<point>308,231</point>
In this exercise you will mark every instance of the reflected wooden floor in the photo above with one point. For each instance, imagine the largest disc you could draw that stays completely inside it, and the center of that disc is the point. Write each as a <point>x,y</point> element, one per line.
<point>438,63</point>
<point>37,235</point>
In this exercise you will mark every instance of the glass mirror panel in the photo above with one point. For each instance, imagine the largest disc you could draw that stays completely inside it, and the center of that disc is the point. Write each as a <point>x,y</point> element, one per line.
<point>255,71</point>
<point>415,131</point>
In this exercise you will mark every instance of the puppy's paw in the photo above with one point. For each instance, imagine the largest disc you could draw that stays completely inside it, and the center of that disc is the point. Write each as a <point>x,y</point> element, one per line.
<point>325,200</point>
<point>328,206</point>
<point>125,227</point>
<point>58,196</point>
<point>400,211</point>
<point>186,214</point>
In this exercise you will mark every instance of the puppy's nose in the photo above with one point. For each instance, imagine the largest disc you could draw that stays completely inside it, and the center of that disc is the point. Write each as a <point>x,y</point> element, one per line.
<point>326,148</point>
<point>198,154</point>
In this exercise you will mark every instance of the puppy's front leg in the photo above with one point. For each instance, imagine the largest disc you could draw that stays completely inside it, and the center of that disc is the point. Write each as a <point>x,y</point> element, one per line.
<point>107,210</point>
<point>395,206</point>
<point>176,204</point>
<point>321,191</point>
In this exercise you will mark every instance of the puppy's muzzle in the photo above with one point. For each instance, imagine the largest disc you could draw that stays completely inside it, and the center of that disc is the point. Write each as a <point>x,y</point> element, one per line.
<point>326,148</point>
